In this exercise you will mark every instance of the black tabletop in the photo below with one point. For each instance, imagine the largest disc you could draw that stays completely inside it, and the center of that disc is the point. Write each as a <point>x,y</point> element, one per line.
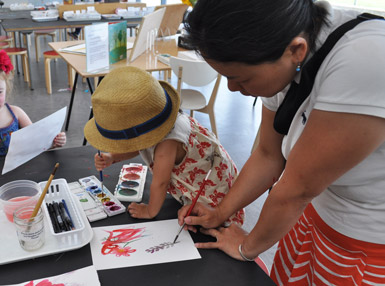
<point>214,268</point>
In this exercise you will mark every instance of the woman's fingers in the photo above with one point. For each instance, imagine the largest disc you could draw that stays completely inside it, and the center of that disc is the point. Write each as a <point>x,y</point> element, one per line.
<point>228,240</point>
<point>207,245</point>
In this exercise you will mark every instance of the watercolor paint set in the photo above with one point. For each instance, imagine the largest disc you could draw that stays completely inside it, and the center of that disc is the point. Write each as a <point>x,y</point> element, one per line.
<point>104,198</point>
<point>131,182</point>
<point>63,214</point>
<point>92,208</point>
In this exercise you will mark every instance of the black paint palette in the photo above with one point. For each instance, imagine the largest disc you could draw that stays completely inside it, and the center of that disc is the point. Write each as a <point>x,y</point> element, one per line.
<point>105,199</point>
<point>131,183</point>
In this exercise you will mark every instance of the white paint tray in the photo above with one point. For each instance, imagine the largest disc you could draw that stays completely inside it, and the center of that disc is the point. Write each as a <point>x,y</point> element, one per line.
<point>11,251</point>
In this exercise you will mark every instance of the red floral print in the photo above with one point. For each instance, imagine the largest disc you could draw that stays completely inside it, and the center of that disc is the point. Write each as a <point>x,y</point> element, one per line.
<point>121,236</point>
<point>202,147</point>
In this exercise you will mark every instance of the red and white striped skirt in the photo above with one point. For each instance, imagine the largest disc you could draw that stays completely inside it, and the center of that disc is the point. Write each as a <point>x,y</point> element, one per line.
<point>313,253</point>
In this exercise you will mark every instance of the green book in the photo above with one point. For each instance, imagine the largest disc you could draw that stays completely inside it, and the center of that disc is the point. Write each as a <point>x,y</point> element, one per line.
<point>117,35</point>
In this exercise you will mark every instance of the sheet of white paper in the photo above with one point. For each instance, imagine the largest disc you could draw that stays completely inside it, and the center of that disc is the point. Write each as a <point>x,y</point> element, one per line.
<point>30,141</point>
<point>150,22</point>
<point>75,49</point>
<point>140,244</point>
<point>97,47</point>
<point>86,276</point>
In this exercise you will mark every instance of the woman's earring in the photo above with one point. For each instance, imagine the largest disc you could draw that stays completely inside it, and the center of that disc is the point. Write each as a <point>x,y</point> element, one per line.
<point>298,68</point>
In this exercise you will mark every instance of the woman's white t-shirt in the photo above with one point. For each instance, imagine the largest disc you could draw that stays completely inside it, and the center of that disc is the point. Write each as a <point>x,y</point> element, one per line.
<point>351,79</point>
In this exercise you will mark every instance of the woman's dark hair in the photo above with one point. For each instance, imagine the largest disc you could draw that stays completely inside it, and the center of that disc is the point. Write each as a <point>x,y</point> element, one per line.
<point>251,31</point>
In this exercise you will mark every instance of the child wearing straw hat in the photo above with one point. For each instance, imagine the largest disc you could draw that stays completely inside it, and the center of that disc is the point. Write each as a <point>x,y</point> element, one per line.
<point>136,114</point>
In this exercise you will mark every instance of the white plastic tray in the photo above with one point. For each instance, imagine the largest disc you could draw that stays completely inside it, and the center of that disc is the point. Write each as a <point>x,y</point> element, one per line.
<point>11,250</point>
<point>45,19</point>
<point>111,16</point>
<point>79,19</point>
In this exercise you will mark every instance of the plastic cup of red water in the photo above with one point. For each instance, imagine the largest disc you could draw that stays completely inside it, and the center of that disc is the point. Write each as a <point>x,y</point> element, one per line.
<point>17,194</point>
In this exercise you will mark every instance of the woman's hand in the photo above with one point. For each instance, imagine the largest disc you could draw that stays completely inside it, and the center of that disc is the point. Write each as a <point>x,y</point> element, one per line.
<point>139,210</point>
<point>228,240</point>
<point>59,140</point>
<point>103,160</point>
<point>205,216</point>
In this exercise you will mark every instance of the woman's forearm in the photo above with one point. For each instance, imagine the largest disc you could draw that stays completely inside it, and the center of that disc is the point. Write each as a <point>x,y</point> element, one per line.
<point>279,214</point>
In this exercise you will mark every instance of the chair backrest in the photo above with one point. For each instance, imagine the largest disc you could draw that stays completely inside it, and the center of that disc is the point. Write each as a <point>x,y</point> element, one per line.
<point>195,73</point>
<point>172,18</point>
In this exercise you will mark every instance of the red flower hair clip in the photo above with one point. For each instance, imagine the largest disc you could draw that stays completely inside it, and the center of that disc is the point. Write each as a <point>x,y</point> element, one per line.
<point>5,62</point>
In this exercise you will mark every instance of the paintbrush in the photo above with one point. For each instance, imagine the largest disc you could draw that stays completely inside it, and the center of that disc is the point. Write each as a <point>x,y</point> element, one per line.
<point>193,204</point>
<point>42,196</point>
<point>101,173</point>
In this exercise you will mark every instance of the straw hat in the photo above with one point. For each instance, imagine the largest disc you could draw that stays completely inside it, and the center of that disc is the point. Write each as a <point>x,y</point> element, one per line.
<point>132,111</point>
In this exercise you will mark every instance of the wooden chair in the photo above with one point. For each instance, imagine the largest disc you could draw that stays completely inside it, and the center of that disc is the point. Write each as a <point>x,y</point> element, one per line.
<point>41,33</point>
<point>196,73</point>
<point>48,56</point>
<point>4,45</point>
<point>13,52</point>
<point>6,39</point>
<point>172,18</point>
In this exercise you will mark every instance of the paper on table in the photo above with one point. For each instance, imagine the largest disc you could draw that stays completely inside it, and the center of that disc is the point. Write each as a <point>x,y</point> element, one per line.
<point>75,49</point>
<point>86,276</point>
<point>140,244</point>
<point>30,141</point>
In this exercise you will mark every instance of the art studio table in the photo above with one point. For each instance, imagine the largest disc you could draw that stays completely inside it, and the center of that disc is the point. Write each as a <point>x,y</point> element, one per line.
<point>214,268</point>
<point>146,61</point>
<point>20,22</point>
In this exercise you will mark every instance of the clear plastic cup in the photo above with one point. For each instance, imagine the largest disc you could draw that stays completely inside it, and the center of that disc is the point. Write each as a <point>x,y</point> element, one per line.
<point>30,231</point>
<point>17,194</point>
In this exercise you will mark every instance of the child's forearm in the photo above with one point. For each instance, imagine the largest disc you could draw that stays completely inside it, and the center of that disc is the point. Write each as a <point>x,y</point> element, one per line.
<point>157,197</point>
<point>117,157</point>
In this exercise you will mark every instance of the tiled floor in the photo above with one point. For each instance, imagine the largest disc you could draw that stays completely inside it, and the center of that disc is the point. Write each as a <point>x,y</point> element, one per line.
<point>237,119</point>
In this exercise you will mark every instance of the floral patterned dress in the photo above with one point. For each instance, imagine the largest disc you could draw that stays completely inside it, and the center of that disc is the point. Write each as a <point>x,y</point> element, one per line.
<point>203,152</point>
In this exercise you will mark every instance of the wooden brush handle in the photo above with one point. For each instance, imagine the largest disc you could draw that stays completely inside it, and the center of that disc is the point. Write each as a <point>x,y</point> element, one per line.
<point>42,196</point>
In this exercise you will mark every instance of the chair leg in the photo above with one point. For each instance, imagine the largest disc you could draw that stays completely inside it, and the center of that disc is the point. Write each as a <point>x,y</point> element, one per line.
<point>96,81</point>
<point>53,36</point>
<point>24,68</point>
<point>213,123</point>
<point>191,113</point>
<point>13,61</point>
<point>27,77</point>
<point>37,47</point>
<point>256,140</point>
<point>47,66</point>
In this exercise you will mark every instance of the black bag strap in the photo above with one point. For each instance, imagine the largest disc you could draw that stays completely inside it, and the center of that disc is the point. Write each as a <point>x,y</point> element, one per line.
<point>298,93</point>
